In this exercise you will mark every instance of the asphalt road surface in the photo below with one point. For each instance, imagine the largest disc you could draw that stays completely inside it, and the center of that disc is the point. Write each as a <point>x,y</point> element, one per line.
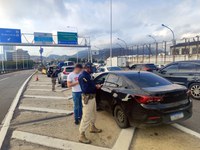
<point>9,86</point>
<point>194,122</point>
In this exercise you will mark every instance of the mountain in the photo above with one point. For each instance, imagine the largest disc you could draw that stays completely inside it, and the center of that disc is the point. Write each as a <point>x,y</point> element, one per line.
<point>102,54</point>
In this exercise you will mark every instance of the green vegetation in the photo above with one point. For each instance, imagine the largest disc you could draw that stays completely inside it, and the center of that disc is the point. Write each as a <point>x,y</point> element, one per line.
<point>11,65</point>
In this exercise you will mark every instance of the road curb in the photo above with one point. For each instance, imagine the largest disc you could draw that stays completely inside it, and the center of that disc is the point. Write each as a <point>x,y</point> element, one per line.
<point>186,130</point>
<point>9,115</point>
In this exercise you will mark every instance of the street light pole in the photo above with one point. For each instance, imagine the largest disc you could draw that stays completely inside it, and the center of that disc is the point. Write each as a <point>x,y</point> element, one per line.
<point>124,43</point>
<point>110,32</point>
<point>174,43</point>
<point>2,59</point>
<point>152,38</point>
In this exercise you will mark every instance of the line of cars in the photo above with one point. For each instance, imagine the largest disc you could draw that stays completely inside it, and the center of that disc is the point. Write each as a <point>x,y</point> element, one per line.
<point>149,95</point>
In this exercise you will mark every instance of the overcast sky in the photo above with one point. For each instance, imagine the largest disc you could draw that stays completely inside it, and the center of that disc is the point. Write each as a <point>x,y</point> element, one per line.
<point>133,20</point>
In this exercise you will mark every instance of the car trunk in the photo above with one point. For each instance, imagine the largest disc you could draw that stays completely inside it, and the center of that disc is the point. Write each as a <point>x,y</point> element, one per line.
<point>170,93</point>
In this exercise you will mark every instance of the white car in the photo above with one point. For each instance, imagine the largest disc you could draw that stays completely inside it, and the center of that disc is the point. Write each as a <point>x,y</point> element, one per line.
<point>62,76</point>
<point>107,69</point>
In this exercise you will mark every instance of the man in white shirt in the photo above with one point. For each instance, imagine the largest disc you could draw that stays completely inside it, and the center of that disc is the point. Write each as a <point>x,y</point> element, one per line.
<point>72,81</point>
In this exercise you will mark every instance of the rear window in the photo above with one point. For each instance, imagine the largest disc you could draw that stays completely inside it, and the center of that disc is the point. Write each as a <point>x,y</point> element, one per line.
<point>114,69</point>
<point>151,66</point>
<point>145,80</point>
<point>69,69</point>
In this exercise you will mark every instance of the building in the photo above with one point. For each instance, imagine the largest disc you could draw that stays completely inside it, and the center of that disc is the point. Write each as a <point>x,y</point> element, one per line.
<point>7,51</point>
<point>20,54</point>
<point>186,48</point>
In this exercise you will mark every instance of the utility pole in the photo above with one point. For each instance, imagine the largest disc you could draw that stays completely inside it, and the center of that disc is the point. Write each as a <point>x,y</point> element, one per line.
<point>16,61</point>
<point>2,59</point>
<point>110,32</point>
<point>137,52</point>
<point>173,41</point>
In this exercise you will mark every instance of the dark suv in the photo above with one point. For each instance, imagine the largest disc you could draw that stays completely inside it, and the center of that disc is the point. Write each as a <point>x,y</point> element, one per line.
<point>186,73</point>
<point>144,67</point>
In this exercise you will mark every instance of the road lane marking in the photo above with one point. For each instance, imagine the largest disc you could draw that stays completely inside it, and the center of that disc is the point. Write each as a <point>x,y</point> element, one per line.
<point>4,79</point>
<point>46,90</point>
<point>46,110</point>
<point>124,140</point>
<point>11,110</point>
<point>46,97</point>
<point>39,85</point>
<point>53,142</point>
<point>186,130</point>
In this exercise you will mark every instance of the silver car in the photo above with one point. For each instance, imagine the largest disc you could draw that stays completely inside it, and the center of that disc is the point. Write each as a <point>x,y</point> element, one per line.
<point>62,76</point>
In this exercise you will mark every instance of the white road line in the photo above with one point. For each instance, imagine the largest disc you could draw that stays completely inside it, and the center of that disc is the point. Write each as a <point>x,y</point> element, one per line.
<point>11,110</point>
<point>47,97</point>
<point>186,130</point>
<point>53,142</point>
<point>124,140</point>
<point>39,84</point>
<point>46,110</point>
<point>4,79</point>
<point>46,90</point>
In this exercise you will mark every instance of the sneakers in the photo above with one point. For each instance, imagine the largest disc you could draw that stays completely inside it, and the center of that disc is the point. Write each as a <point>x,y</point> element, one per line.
<point>93,129</point>
<point>83,139</point>
<point>76,122</point>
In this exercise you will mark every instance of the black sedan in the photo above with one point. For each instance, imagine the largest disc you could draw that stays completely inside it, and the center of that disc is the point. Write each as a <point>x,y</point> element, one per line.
<point>142,98</point>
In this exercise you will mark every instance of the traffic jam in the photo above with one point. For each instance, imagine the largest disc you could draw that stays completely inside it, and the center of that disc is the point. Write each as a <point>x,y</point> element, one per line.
<point>144,94</point>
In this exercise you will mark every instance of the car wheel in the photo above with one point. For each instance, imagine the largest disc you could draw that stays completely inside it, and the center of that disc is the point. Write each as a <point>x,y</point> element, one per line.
<point>59,81</point>
<point>63,85</point>
<point>195,91</point>
<point>120,117</point>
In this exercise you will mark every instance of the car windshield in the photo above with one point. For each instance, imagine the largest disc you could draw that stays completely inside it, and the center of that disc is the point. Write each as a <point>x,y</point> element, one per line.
<point>114,68</point>
<point>69,69</point>
<point>142,80</point>
<point>151,66</point>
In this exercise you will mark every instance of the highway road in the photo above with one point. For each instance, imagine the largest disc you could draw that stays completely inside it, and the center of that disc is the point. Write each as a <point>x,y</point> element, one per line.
<point>194,122</point>
<point>9,86</point>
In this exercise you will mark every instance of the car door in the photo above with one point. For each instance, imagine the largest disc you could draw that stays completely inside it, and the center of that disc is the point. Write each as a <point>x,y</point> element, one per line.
<point>170,72</point>
<point>187,72</point>
<point>109,85</point>
<point>100,80</point>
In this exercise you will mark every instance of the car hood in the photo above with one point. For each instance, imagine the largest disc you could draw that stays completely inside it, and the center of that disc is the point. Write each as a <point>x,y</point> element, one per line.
<point>166,88</point>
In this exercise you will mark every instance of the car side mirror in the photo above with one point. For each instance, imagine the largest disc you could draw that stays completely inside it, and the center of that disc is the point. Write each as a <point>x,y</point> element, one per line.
<point>162,71</point>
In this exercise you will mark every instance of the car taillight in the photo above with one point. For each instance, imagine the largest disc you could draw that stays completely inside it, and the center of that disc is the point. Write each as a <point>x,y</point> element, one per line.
<point>147,99</point>
<point>146,69</point>
<point>66,73</point>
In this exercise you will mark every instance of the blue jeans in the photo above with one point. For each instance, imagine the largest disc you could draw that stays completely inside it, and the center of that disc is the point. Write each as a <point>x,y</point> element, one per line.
<point>77,105</point>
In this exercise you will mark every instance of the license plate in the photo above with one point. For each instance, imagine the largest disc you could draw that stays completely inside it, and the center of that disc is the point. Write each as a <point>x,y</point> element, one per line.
<point>176,116</point>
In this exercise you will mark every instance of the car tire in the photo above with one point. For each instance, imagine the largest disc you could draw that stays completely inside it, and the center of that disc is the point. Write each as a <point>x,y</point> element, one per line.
<point>59,81</point>
<point>63,85</point>
<point>121,117</point>
<point>195,91</point>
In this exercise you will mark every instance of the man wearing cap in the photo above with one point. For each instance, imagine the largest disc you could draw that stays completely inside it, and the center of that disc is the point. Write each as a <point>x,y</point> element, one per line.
<point>88,88</point>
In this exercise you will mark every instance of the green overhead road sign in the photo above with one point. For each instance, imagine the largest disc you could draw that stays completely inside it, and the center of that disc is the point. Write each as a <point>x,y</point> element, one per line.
<point>67,38</point>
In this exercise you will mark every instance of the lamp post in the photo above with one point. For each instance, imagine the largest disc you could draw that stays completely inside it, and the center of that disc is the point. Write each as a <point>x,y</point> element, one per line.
<point>110,32</point>
<point>152,38</point>
<point>156,46</point>
<point>124,43</point>
<point>121,52</point>
<point>174,43</point>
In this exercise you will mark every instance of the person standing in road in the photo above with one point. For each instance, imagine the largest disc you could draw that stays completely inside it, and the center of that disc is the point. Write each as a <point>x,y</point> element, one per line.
<point>88,88</point>
<point>54,75</point>
<point>72,81</point>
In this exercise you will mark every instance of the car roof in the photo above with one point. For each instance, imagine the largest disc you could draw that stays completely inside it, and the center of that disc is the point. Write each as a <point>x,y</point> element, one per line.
<point>68,67</point>
<point>197,61</point>
<point>128,72</point>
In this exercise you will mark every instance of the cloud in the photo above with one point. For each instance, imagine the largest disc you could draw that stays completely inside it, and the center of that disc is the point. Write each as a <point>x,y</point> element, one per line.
<point>132,19</point>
